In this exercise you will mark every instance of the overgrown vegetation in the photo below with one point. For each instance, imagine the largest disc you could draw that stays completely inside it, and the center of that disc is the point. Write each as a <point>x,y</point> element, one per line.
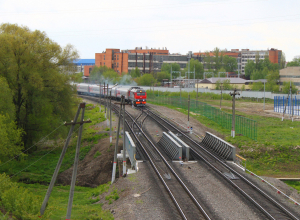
<point>43,160</point>
<point>23,200</point>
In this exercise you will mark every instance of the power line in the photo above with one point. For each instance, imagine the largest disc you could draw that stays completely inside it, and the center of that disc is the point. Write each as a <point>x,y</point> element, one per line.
<point>31,146</point>
<point>38,159</point>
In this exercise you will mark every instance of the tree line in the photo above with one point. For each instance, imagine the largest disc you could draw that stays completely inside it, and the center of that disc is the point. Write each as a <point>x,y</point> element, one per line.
<point>36,95</point>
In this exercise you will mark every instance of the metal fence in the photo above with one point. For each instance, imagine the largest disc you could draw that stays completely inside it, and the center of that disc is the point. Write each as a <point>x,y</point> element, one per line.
<point>245,126</point>
<point>290,105</point>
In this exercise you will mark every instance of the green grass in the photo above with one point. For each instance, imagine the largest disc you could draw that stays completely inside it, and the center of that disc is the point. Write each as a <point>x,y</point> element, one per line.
<point>294,184</point>
<point>97,154</point>
<point>277,149</point>
<point>44,160</point>
<point>83,203</point>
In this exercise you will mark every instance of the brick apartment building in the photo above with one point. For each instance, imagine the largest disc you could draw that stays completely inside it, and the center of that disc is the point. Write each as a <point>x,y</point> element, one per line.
<point>244,55</point>
<point>150,60</point>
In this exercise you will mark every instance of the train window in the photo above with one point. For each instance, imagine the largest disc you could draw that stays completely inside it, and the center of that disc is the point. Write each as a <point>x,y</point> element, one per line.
<point>140,93</point>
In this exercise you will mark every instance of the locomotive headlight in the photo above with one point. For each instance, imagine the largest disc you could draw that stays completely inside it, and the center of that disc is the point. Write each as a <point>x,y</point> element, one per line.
<point>143,99</point>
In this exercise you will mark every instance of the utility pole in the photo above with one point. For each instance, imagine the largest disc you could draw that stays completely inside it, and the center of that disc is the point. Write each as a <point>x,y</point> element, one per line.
<point>188,124</point>
<point>264,93</point>
<point>72,188</point>
<point>124,147</point>
<point>233,111</point>
<point>47,196</point>
<point>221,96</point>
<point>171,75</point>
<point>194,76</point>
<point>107,104</point>
<point>110,131</point>
<point>292,101</point>
<point>117,142</point>
<point>100,95</point>
<point>104,99</point>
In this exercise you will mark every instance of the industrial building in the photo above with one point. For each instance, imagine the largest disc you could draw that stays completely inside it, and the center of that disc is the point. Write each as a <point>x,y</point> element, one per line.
<point>151,59</point>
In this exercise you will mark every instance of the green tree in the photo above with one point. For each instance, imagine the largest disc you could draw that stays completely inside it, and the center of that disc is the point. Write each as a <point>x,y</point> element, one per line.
<point>76,77</point>
<point>33,64</point>
<point>163,75</point>
<point>286,88</point>
<point>135,72</point>
<point>257,86</point>
<point>10,136</point>
<point>146,80</point>
<point>222,72</point>
<point>272,81</point>
<point>218,59</point>
<point>283,61</point>
<point>96,73</point>
<point>249,69</point>
<point>111,76</point>
<point>198,69</point>
<point>208,60</point>
<point>226,84</point>
<point>230,63</point>
<point>295,62</point>
<point>166,67</point>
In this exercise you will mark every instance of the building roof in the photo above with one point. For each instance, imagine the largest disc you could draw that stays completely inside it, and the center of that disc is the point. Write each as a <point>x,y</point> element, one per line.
<point>84,62</point>
<point>213,80</point>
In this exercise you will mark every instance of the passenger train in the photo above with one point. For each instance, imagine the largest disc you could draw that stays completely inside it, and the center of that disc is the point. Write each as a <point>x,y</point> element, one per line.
<point>133,95</point>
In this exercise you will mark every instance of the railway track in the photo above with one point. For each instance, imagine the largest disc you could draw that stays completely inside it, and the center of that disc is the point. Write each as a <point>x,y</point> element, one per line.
<point>184,200</point>
<point>260,199</point>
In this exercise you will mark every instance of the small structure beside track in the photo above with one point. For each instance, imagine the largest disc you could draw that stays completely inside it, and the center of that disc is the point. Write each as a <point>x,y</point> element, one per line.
<point>222,148</point>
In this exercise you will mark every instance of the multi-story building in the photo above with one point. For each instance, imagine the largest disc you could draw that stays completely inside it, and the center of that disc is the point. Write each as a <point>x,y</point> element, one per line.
<point>244,55</point>
<point>151,60</point>
<point>290,74</point>
<point>81,63</point>
<point>147,60</point>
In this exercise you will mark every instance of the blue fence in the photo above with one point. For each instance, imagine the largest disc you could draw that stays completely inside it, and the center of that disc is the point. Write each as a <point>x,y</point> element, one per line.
<point>281,103</point>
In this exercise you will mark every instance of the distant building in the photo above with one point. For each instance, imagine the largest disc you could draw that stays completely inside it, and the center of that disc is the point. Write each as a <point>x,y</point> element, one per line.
<point>210,83</point>
<point>147,60</point>
<point>81,63</point>
<point>290,74</point>
<point>244,55</point>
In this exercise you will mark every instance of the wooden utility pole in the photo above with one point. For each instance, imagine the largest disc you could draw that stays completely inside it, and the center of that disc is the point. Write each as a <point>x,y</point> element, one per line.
<point>107,104</point>
<point>104,99</point>
<point>51,185</point>
<point>188,124</point>
<point>100,95</point>
<point>233,112</point>
<point>221,96</point>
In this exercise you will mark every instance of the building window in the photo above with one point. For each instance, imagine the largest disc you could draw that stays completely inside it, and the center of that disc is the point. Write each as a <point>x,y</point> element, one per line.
<point>104,59</point>
<point>104,64</point>
<point>117,64</point>
<point>118,57</point>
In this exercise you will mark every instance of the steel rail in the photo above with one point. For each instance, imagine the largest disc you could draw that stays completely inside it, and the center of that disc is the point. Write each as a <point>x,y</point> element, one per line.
<point>235,172</point>
<point>154,167</point>
<point>175,174</point>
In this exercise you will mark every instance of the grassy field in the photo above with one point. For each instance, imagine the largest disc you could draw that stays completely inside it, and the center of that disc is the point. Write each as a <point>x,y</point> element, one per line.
<point>31,174</point>
<point>276,152</point>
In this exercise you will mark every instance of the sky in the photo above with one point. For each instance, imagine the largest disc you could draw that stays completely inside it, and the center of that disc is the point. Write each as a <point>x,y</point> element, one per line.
<point>180,26</point>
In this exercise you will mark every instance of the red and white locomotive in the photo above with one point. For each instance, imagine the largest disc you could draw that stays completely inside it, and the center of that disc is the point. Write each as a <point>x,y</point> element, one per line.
<point>134,95</point>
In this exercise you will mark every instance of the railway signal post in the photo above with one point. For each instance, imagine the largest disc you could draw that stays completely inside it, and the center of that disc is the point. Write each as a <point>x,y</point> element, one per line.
<point>233,111</point>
